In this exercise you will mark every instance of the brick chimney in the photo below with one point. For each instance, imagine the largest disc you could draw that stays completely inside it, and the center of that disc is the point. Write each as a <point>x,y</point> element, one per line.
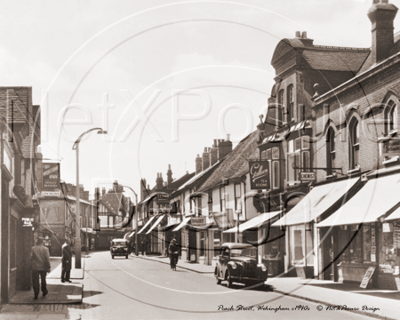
<point>224,147</point>
<point>206,158</point>
<point>382,15</point>
<point>159,181</point>
<point>169,175</point>
<point>198,164</point>
<point>213,153</point>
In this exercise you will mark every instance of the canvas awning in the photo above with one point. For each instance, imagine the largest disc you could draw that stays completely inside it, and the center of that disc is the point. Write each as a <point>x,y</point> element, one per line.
<point>316,202</point>
<point>256,222</point>
<point>146,225</point>
<point>155,224</point>
<point>374,200</point>
<point>131,234</point>
<point>394,216</point>
<point>182,224</point>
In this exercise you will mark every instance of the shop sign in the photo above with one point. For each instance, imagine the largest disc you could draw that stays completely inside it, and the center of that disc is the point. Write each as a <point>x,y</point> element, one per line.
<point>162,198</point>
<point>27,222</point>
<point>391,148</point>
<point>307,176</point>
<point>198,221</point>
<point>367,277</point>
<point>50,193</point>
<point>259,174</point>
<point>51,177</point>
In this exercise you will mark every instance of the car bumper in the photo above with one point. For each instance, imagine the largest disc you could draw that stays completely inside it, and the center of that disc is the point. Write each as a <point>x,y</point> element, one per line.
<point>119,253</point>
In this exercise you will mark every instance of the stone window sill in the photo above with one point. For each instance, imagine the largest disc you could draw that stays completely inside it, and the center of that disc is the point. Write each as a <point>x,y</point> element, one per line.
<point>391,160</point>
<point>358,169</point>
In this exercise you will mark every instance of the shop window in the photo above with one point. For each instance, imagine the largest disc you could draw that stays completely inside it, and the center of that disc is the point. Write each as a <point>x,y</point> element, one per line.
<point>366,243</point>
<point>290,104</point>
<point>356,245</point>
<point>238,194</point>
<point>330,151</point>
<point>302,246</point>
<point>390,117</point>
<point>390,245</point>
<point>354,136</point>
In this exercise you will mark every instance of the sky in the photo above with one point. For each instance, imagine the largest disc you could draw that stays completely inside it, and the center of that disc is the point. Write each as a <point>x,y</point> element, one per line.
<point>163,78</point>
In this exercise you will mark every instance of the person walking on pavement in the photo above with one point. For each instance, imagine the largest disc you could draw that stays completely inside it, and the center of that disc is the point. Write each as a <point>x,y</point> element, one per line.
<point>66,261</point>
<point>173,253</point>
<point>40,262</point>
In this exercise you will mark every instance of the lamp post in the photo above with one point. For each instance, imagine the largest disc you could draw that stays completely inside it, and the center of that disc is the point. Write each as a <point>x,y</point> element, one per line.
<point>77,214</point>
<point>136,220</point>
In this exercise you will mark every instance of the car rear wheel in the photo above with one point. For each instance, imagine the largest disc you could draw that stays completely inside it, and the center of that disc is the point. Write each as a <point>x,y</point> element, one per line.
<point>126,257</point>
<point>229,278</point>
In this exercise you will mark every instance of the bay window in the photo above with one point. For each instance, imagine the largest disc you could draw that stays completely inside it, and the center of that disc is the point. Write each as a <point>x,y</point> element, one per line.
<point>298,158</point>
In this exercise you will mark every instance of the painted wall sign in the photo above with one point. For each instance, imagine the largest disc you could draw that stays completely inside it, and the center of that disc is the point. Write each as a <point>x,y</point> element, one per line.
<point>259,174</point>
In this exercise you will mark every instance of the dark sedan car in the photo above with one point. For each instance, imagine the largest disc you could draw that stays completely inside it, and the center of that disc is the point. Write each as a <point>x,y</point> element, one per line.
<point>238,263</point>
<point>119,247</point>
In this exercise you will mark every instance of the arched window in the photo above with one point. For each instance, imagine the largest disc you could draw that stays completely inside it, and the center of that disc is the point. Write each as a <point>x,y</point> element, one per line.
<point>390,117</point>
<point>354,147</point>
<point>290,104</point>
<point>330,150</point>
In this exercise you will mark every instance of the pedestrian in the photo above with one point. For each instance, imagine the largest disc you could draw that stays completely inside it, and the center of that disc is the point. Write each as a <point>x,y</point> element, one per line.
<point>173,253</point>
<point>66,261</point>
<point>143,246</point>
<point>40,263</point>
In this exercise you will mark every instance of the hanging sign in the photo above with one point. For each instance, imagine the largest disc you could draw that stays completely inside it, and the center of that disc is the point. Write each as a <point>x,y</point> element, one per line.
<point>391,148</point>
<point>259,174</point>
<point>51,177</point>
<point>198,221</point>
<point>27,222</point>
<point>307,176</point>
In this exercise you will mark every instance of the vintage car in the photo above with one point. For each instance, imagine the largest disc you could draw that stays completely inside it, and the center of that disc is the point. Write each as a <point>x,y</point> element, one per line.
<point>119,247</point>
<point>238,263</point>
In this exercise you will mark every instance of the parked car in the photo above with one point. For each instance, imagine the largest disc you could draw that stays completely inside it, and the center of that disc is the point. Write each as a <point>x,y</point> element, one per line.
<point>119,247</point>
<point>238,263</point>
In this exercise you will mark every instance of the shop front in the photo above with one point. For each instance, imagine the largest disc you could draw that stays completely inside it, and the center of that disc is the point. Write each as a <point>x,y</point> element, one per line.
<point>366,233</point>
<point>305,244</point>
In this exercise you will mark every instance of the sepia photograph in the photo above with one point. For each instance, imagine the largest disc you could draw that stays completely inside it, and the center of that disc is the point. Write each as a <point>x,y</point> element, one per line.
<point>199,159</point>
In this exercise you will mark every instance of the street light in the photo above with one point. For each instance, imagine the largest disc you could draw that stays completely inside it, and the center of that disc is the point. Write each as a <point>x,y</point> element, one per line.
<point>136,220</point>
<point>77,214</point>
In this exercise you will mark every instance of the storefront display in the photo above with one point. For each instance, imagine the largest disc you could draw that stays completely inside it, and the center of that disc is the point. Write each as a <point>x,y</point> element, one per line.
<point>389,251</point>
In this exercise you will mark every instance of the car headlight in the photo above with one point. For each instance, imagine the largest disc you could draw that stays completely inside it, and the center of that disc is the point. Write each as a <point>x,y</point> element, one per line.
<point>234,265</point>
<point>262,266</point>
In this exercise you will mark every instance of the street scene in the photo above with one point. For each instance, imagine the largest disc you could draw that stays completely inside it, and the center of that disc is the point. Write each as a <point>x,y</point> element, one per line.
<point>200,160</point>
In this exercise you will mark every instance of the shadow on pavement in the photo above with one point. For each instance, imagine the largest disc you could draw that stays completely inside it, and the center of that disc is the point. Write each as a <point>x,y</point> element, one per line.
<point>355,288</point>
<point>90,293</point>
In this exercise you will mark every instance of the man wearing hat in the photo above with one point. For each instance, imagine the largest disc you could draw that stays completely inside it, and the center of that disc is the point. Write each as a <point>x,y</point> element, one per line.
<point>40,262</point>
<point>66,261</point>
<point>173,253</point>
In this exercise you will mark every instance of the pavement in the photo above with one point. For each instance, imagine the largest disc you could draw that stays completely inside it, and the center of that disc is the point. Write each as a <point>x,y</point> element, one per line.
<point>59,293</point>
<point>330,295</point>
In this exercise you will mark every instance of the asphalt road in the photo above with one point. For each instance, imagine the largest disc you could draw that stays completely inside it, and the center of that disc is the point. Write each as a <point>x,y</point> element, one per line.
<point>140,289</point>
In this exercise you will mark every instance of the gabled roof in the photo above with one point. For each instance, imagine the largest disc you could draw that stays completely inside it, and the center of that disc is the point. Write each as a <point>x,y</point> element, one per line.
<point>235,164</point>
<point>113,201</point>
<point>321,57</point>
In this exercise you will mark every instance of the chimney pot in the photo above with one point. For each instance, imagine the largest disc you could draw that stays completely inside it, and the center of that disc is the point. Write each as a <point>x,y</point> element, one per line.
<point>297,34</point>
<point>228,137</point>
<point>304,35</point>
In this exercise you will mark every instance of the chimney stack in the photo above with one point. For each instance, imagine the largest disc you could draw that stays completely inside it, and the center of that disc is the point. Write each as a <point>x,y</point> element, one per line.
<point>224,148</point>
<point>198,164</point>
<point>382,15</point>
<point>213,153</point>
<point>103,191</point>
<point>206,158</point>
<point>159,181</point>
<point>169,175</point>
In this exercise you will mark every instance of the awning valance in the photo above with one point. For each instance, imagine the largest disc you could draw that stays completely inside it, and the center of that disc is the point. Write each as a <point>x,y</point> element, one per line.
<point>395,215</point>
<point>316,202</point>
<point>131,234</point>
<point>256,222</point>
<point>155,224</point>
<point>182,224</point>
<point>374,200</point>
<point>146,225</point>
<point>168,227</point>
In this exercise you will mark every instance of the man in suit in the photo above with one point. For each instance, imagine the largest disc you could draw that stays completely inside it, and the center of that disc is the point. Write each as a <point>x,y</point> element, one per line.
<point>66,261</point>
<point>40,262</point>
